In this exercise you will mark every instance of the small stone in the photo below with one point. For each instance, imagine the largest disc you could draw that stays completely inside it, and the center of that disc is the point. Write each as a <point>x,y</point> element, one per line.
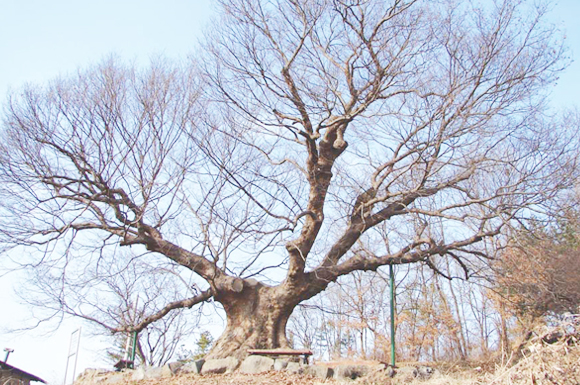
<point>280,364</point>
<point>424,372</point>
<point>221,365</point>
<point>382,376</point>
<point>319,371</point>
<point>294,368</point>
<point>158,372</point>
<point>351,372</point>
<point>192,367</point>
<point>138,374</point>
<point>406,373</point>
<point>389,371</point>
<point>174,367</point>
<point>257,364</point>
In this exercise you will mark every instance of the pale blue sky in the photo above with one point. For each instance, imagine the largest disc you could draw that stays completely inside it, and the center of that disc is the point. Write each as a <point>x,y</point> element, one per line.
<point>566,16</point>
<point>41,39</point>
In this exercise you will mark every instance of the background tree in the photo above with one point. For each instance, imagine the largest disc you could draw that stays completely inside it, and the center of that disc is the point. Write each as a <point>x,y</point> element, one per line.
<point>536,275</point>
<point>203,345</point>
<point>436,319</point>
<point>330,137</point>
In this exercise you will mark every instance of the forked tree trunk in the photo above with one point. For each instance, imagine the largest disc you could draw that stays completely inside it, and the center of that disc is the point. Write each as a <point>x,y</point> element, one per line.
<point>256,319</point>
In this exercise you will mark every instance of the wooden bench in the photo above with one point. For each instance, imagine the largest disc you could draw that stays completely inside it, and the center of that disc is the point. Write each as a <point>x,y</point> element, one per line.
<point>305,353</point>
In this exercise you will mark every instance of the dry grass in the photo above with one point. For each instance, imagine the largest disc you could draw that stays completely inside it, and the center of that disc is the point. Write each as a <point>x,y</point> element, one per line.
<point>541,364</point>
<point>557,363</point>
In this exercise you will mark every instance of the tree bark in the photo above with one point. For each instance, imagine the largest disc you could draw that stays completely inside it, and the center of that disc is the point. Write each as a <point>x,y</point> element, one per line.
<point>256,319</point>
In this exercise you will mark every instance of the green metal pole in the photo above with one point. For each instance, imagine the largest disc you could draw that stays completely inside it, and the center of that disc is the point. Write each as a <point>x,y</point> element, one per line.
<point>392,283</point>
<point>133,349</point>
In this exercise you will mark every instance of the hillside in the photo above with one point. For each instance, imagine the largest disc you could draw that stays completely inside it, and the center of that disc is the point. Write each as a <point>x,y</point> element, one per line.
<point>539,363</point>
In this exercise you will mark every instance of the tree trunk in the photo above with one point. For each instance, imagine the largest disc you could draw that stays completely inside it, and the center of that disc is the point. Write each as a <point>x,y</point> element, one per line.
<point>256,319</point>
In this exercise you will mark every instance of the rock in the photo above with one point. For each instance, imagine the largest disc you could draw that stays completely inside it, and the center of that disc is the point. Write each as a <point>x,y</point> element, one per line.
<point>152,372</point>
<point>257,364</point>
<point>294,368</point>
<point>353,372</point>
<point>280,364</point>
<point>138,374</point>
<point>420,372</point>
<point>406,373</point>
<point>175,367</point>
<point>424,372</point>
<point>380,376</point>
<point>193,367</point>
<point>389,371</point>
<point>221,365</point>
<point>319,371</point>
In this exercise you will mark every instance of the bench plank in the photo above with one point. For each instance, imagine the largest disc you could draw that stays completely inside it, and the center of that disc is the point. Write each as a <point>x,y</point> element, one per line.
<point>280,352</point>
<point>283,352</point>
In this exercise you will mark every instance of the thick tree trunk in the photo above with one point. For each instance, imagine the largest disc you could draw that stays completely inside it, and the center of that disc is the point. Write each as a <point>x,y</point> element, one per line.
<point>256,319</point>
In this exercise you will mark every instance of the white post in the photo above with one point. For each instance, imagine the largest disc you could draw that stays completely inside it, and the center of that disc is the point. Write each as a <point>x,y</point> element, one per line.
<point>73,351</point>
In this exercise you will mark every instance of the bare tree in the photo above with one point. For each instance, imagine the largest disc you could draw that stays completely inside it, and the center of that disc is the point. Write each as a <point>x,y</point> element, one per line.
<point>331,136</point>
<point>119,295</point>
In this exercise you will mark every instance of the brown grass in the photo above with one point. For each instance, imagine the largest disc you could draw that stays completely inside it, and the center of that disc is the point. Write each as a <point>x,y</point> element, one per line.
<point>558,363</point>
